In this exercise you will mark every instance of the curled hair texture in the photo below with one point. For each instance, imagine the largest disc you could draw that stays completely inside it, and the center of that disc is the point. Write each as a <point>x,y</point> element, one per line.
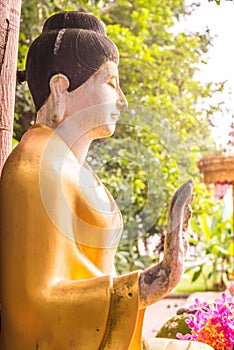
<point>72,43</point>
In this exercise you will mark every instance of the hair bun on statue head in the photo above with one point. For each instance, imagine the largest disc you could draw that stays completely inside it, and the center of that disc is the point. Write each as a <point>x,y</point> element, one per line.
<point>72,43</point>
<point>75,20</point>
<point>21,76</point>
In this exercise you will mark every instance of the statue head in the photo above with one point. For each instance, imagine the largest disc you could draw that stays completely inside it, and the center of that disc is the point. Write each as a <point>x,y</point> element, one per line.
<point>74,44</point>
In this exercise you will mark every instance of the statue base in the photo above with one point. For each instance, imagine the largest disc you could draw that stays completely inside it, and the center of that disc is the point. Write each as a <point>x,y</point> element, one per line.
<point>173,344</point>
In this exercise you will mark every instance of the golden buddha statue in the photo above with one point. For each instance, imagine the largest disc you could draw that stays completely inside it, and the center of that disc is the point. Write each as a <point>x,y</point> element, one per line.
<point>59,225</point>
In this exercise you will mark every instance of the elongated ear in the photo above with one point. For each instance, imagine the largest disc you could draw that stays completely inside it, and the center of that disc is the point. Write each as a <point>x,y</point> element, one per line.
<point>59,85</point>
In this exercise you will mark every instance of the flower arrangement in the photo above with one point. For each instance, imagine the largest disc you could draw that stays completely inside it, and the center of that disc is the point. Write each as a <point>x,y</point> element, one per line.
<point>212,323</point>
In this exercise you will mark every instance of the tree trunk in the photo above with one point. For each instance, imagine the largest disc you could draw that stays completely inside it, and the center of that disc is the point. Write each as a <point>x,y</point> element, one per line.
<point>9,32</point>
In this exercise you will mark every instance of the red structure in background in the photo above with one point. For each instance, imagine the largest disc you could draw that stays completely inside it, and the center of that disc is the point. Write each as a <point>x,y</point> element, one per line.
<point>219,169</point>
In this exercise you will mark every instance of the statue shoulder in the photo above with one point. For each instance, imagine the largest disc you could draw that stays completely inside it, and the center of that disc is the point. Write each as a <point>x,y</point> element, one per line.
<point>26,156</point>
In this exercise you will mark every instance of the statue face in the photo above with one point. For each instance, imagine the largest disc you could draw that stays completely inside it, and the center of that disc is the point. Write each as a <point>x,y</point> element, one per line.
<point>97,103</point>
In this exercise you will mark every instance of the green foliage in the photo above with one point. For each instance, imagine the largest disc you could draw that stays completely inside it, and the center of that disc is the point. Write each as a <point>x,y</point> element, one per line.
<point>215,241</point>
<point>201,284</point>
<point>128,259</point>
<point>216,1</point>
<point>166,129</point>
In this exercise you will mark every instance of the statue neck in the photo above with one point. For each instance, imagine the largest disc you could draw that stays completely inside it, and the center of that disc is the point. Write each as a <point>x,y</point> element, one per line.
<point>80,149</point>
<point>76,139</point>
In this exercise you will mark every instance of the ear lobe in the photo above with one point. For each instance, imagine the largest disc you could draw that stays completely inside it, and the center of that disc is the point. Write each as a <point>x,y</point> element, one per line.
<point>59,83</point>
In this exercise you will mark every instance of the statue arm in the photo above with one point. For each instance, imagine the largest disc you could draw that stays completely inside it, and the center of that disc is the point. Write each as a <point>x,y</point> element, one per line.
<point>158,280</point>
<point>100,308</point>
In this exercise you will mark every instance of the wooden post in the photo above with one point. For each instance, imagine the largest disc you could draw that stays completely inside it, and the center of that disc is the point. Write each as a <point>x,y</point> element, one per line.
<point>9,33</point>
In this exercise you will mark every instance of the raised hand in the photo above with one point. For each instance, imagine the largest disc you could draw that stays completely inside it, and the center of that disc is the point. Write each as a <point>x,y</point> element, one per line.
<point>158,280</point>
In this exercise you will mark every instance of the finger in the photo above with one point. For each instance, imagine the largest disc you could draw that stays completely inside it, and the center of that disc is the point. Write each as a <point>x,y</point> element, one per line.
<point>182,194</point>
<point>181,197</point>
<point>187,214</point>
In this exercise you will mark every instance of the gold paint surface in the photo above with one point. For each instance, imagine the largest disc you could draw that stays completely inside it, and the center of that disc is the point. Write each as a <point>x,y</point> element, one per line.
<point>58,293</point>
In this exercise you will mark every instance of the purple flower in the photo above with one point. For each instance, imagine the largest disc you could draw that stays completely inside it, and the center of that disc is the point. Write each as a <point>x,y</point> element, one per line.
<point>207,320</point>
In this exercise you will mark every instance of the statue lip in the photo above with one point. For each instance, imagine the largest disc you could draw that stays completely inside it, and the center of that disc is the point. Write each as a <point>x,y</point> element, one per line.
<point>115,116</point>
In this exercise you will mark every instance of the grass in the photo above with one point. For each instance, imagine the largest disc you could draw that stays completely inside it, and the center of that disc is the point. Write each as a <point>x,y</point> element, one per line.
<point>202,284</point>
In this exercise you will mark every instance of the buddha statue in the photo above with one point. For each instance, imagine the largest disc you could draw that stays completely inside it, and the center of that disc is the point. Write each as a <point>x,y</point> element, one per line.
<point>59,225</point>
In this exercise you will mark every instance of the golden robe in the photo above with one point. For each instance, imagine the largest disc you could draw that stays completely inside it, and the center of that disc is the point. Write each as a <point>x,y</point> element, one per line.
<point>57,251</point>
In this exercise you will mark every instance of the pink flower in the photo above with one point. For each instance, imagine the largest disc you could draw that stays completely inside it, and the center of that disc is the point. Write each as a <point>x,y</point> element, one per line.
<point>212,324</point>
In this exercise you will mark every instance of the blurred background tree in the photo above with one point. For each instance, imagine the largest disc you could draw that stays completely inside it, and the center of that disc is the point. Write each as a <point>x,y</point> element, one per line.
<point>166,129</point>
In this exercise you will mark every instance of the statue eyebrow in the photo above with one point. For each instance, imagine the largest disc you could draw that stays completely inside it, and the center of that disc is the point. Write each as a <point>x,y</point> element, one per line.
<point>114,77</point>
<point>108,73</point>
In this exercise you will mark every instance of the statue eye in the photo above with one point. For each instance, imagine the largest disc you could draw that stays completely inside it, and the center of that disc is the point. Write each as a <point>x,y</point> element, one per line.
<point>113,82</point>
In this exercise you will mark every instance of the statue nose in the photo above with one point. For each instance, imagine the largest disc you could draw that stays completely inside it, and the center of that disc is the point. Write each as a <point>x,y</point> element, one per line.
<point>122,104</point>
